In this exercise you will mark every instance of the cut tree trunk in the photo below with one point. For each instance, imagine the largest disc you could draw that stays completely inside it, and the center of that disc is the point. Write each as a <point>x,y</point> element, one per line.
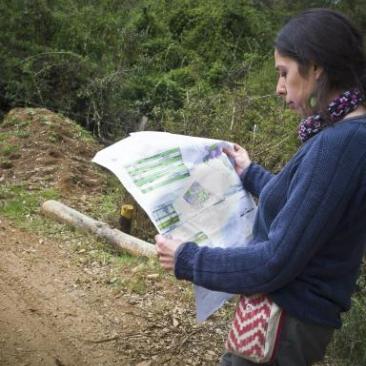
<point>117,238</point>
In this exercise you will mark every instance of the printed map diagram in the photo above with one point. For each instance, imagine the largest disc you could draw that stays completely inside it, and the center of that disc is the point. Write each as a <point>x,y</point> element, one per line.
<point>155,172</point>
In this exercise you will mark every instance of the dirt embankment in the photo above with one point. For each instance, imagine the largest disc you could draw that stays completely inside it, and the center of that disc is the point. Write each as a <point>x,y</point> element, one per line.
<point>43,149</point>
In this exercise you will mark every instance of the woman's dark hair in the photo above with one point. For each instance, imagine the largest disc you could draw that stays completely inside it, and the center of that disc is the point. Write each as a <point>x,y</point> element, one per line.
<point>328,39</point>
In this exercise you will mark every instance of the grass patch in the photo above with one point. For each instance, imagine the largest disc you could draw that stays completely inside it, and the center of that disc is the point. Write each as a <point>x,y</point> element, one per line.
<point>82,134</point>
<point>94,249</point>
<point>125,259</point>
<point>8,149</point>
<point>22,133</point>
<point>106,207</point>
<point>120,270</point>
<point>18,203</point>
<point>54,137</point>
<point>4,136</point>
<point>5,163</point>
<point>45,121</point>
<point>125,273</point>
<point>349,344</point>
<point>14,121</point>
<point>18,128</point>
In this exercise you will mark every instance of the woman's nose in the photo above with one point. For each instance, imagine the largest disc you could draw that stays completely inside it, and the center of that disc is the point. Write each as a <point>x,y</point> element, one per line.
<point>280,88</point>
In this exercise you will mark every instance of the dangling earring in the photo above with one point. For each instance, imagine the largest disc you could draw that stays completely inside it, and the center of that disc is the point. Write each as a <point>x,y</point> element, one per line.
<point>312,102</point>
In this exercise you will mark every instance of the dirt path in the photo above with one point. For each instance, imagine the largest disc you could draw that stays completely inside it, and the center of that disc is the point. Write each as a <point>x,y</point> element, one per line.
<point>56,311</point>
<point>45,317</point>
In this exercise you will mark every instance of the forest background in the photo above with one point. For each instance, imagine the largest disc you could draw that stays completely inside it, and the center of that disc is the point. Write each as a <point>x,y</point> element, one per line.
<point>202,68</point>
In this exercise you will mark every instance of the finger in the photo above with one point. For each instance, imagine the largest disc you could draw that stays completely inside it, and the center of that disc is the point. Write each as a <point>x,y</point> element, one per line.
<point>164,249</point>
<point>237,147</point>
<point>167,268</point>
<point>165,260</point>
<point>160,249</point>
<point>165,257</point>
<point>161,244</point>
<point>159,238</point>
<point>228,151</point>
<point>168,265</point>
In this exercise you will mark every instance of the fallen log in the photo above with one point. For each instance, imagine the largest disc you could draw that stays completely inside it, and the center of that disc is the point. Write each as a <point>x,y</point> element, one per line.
<point>64,214</point>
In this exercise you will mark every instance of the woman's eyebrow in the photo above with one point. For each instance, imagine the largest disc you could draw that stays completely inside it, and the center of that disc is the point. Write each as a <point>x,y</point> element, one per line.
<point>281,68</point>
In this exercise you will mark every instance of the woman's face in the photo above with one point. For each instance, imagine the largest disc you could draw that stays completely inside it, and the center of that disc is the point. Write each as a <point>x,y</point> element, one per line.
<point>294,88</point>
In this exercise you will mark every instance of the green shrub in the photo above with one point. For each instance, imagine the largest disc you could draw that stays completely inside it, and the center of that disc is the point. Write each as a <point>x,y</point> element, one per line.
<point>349,344</point>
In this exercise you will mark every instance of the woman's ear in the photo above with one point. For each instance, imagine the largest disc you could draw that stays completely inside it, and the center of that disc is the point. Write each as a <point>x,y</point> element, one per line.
<point>318,71</point>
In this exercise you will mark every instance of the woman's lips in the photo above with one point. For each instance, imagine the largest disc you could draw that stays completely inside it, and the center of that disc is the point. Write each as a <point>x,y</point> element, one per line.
<point>291,105</point>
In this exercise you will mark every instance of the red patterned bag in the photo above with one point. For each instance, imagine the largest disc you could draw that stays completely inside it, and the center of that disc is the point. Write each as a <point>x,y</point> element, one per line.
<point>255,329</point>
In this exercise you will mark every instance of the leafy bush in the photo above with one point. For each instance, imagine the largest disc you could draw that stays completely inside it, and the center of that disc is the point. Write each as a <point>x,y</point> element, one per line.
<point>109,64</point>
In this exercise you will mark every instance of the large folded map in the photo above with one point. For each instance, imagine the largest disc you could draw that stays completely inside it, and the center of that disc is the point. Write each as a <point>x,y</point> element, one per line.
<point>189,189</point>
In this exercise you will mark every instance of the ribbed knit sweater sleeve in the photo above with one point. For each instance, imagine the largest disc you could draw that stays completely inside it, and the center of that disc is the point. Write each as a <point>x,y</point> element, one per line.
<point>302,219</point>
<point>255,178</point>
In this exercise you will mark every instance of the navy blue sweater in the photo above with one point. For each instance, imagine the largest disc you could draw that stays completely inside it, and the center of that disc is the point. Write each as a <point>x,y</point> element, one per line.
<point>309,233</point>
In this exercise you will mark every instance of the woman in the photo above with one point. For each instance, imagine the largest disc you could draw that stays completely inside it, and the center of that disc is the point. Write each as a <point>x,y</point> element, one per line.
<point>310,229</point>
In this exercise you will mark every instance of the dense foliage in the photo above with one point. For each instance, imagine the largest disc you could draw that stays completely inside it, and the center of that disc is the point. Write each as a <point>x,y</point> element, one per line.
<point>118,66</point>
<point>194,67</point>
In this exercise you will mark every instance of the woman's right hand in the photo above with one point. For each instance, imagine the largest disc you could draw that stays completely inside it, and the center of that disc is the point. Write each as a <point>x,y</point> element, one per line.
<point>240,157</point>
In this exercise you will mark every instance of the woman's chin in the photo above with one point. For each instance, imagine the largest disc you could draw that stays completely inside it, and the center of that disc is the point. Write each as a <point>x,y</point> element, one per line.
<point>296,109</point>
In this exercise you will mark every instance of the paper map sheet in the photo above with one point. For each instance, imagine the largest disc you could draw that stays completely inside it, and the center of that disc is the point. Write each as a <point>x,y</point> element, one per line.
<point>189,189</point>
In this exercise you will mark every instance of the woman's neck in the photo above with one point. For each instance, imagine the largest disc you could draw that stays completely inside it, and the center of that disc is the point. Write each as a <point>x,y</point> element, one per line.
<point>359,111</point>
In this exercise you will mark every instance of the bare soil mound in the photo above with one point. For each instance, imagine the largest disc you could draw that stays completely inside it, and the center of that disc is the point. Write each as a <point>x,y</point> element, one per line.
<point>43,148</point>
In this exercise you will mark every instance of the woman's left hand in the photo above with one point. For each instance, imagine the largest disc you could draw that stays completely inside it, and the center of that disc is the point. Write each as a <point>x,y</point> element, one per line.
<point>166,248</point>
